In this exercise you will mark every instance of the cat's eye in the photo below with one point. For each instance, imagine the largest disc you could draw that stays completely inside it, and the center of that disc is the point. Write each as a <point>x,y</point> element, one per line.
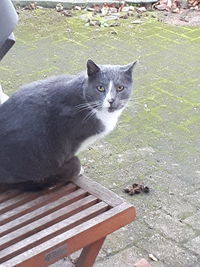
<point>100,88</point>
<point>120,88</point>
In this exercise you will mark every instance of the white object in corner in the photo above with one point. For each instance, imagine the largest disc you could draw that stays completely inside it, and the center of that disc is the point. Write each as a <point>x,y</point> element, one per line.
<point>3,96</point>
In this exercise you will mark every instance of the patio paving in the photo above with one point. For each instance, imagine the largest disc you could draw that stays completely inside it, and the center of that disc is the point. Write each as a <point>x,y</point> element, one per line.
<point>157,140</point>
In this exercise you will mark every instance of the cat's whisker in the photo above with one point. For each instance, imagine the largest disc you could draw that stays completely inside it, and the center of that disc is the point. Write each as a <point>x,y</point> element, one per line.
<point>84,106</point>
<point>91,105</point>
<point>81,108</point>
<point>89,115</point>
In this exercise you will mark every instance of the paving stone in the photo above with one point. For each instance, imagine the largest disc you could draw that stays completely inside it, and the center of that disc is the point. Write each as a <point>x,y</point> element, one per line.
<point>194,221</point>
<point>167,251</point>
<point>194,198</point>
<point>123,238</point>
<point>197,264</point>
<point>168,226</point>
<point>170,183</point>
<point>194,245</point>
<point>126,258</point>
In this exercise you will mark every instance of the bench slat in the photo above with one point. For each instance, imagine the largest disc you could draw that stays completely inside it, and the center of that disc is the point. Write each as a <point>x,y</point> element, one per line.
<point>40,211</point>
<point>76,238</point>
<point>14,202</point>
<point>8,194</point>
<point>11,215</point>
<point>23,198</point>
<point>46,221</point>
<point>52,231</point>
<point>42,227</point>
<point>98,190</point>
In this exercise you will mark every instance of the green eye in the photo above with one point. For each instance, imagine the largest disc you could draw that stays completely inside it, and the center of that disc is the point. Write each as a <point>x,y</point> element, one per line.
<point>120,88</point>
<point>100,88</point>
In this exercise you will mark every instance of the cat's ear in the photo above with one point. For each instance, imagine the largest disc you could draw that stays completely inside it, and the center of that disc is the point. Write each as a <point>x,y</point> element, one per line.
<point>92,68</point>
<point>129,67</point>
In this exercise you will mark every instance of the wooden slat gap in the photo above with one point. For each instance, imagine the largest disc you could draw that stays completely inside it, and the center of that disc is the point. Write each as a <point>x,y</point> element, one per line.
<point>26,197</point>
<point>8,195</point>
<point>41,212</point>
<point>87,232</point>
<point>46,221</point>
<point>13,214</point>
<point>52,231</point>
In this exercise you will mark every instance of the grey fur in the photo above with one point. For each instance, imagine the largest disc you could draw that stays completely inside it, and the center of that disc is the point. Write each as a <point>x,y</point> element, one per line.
<point>44,123</point>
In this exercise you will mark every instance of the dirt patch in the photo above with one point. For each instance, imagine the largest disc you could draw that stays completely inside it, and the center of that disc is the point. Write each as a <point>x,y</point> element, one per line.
<point>186,17</point>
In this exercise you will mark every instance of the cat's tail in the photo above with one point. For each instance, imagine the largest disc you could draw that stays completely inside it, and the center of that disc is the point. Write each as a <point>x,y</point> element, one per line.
<point>3,96</point>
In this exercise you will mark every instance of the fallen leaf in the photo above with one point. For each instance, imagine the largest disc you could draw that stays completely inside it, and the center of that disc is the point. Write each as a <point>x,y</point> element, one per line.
<point>32,6</point>
<point>125,9</point>
<point>141,9</point>
<point>115,24</point>
<point>131,8</point>
<point>77,8</point>
<point>105,10</point>
<point>90,9</point>
<point>59,7</point>
<point>66,13</point>
<point>152,257</point>
<point>125,16</point>
<point>136,22</point>
<point>113,10</point>
<point>113,32</point>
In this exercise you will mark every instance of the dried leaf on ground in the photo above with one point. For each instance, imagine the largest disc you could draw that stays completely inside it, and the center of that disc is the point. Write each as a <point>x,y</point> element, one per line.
<point>136,22</point>
<point>66,13</point>
<point>194,4</point>
<point>77,8</point>
<point>32,6</point>
<point>169,5</point>
<point>152,257</point>
<point>59,7</point>
<point>141,9</point>
<point>125,16</point>
<point>125,9</point>
<point>114,24</point>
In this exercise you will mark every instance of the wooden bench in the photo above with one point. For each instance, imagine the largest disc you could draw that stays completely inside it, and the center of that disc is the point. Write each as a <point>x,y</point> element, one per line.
<point>39,228</point>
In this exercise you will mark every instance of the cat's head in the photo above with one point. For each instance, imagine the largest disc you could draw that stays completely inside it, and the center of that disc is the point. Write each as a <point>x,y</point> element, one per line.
<point>108,87</point>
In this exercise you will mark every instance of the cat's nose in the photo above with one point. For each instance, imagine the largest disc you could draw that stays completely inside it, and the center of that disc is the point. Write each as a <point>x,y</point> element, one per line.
<point>111,100</point>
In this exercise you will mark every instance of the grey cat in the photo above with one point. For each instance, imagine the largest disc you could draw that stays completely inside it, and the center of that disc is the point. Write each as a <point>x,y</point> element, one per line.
<point>45,124</point>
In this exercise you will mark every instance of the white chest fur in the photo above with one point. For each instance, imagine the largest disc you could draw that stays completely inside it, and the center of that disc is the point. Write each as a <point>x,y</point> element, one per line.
<point>109,120</point>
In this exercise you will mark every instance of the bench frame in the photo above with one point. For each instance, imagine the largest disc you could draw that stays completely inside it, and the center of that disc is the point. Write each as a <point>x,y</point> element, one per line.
<point>109,213</point>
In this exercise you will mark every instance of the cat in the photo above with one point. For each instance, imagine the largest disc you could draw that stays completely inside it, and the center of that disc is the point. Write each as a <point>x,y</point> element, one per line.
<point>46,124</point>
<point>3,96</point>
